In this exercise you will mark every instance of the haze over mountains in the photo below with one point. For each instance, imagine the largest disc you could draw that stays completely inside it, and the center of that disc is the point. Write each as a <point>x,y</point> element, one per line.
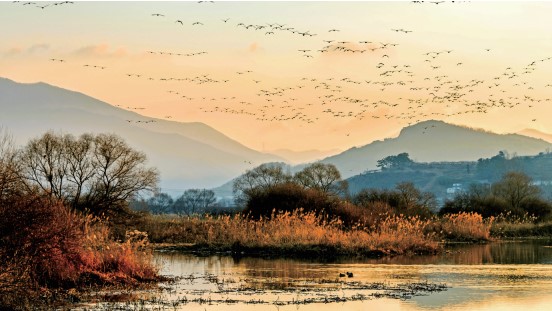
<point>297,157</point>
<point>188,155</point>
<point>194,155</point>
<point>536,134</point>
<point>432,141</point>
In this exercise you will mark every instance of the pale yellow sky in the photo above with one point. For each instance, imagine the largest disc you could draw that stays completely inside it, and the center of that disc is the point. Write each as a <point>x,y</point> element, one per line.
<point>296,75</point>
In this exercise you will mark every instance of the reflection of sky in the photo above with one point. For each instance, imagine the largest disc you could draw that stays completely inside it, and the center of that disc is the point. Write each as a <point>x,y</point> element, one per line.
<point>473,286</point>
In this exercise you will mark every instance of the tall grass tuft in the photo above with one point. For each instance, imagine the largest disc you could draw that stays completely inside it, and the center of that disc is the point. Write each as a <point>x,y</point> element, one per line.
<point>466,227</point>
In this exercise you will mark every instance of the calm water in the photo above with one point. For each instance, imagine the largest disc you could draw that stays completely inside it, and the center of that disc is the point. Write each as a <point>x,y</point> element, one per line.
<point>497,276</point>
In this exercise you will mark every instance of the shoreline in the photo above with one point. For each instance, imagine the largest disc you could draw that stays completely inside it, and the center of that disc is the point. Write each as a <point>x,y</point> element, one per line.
<point>327,253</point>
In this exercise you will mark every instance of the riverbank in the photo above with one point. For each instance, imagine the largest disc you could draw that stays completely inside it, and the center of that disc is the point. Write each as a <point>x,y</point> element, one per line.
<point>483,273</point>
<point>299,234</point>
<point>521,230</point>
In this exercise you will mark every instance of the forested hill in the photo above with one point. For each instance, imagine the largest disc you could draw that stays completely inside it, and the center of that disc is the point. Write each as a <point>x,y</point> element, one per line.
<point>436,177</point>
<point>432,141</point>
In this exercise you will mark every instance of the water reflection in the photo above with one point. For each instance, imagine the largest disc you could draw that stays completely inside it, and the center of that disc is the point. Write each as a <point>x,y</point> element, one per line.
<point>499,276</point>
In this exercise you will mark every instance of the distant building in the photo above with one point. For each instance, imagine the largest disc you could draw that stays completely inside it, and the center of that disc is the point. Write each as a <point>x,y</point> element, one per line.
<point>454,190</point>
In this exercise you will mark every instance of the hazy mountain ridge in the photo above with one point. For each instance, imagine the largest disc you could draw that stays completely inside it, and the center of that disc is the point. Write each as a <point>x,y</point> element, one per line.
<point>428,141</point>
<point>435,141</point>
<point>296,157</point>
<point>194,155</point>
<point>536,134</point>
<point>188,155</point>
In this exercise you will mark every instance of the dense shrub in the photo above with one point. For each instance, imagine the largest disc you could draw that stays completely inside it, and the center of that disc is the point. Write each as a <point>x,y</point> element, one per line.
<point>514,195</point>
<point>51,246</point>
<point>493,206</point>
<point>367,197</point>
<point>404,199</point>
<point>288,197</point>
<point>538,208</point>
<point>488,206</point>
<point>45,237</point>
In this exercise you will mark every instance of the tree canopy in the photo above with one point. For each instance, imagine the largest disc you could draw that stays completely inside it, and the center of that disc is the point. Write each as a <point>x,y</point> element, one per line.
<point>400,160</point>
<point>322,177</point>
<point>262,177</point>
<point>95,173</point>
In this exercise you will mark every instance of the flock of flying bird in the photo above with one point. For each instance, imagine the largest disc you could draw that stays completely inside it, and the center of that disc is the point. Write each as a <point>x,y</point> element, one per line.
<point>42,5</point>
<point>393,89</point>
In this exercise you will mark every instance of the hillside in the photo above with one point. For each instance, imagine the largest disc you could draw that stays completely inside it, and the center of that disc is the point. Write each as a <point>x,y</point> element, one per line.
<point>188,155</point>
<point>435,141</point>
<point>437,177</point>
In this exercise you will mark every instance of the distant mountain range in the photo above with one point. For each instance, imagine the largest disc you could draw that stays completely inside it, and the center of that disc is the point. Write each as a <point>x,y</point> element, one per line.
<point>296,157</point>
<point>195,155</point>
<point>188,155</point>
<point>433,141</point>
<point>536,134</point>
<point>428,141</point>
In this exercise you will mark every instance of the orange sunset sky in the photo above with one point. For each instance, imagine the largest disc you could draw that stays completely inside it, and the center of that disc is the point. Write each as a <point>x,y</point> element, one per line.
<point>295,75</point>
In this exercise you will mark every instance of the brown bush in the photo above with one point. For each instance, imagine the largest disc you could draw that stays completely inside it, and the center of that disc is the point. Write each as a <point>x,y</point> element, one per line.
<point>54,247</point>
<point>45,237</point>
<point>369,216</point>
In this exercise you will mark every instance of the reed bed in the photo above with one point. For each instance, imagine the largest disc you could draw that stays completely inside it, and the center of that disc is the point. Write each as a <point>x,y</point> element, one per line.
<point>290,232</point>
<point>466,227</point>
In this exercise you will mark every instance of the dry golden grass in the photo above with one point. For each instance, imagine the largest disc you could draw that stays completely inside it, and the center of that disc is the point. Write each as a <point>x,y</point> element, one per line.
<point>113,262</point>
<point>466,227</point>
<point>292,231</point>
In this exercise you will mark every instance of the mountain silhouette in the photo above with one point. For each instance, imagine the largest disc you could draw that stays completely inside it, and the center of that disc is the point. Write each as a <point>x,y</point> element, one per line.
<point>188,155</point>
<point>536,134</point>
<point>433,141</point>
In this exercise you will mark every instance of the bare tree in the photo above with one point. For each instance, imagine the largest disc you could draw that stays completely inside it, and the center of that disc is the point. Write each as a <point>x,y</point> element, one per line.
<point>195,201</point>
<point>411,198</point>
<point>10,182</point>
<point>515,188</point>
<point>160,203</point>
<point>95,173</point>
<point>80,165</point>
<point>45,165</point>
<point>120,174</point>
<point>262,177</point>
<point>323,177</point>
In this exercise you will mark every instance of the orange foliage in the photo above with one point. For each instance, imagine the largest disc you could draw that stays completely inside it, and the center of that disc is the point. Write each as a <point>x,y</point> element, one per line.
<point>57,247</point>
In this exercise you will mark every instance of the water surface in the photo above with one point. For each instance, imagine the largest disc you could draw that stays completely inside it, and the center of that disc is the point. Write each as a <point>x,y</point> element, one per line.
<point>515,275</point>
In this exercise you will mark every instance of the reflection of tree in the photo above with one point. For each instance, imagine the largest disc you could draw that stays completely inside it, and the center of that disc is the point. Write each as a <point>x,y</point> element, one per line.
<point>527,252</point>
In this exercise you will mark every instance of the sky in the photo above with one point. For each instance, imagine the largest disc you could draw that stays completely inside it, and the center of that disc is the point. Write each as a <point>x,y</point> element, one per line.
<point>294,75</point>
